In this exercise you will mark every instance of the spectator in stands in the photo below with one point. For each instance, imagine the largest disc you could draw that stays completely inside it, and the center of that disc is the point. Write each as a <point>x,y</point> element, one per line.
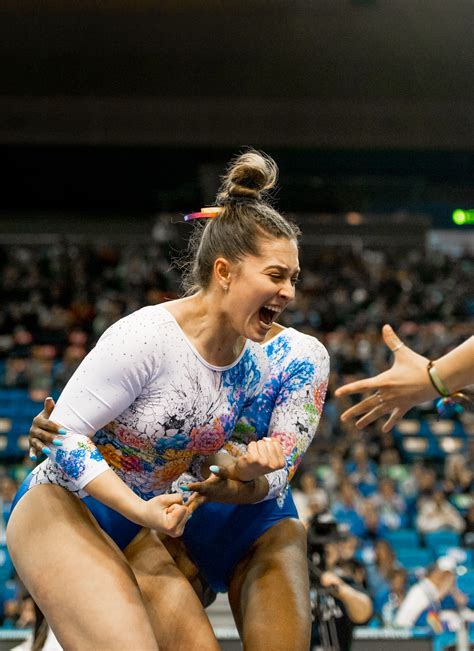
<point>374,528</point>
<point>26,615</point>
<point>390,464</point>
<point>384,564</point>
<point>309,499</point>
<point>17,372</point>
<point>11,611</point>
<point>343,577</point>
<point>390,506</point>
<point>361,470</point>
<point>72,357</point>
<point>334,475</point>
<point>425,480</point>
<point>388,601</point>
<point>348,547</point>
<point>347,508</point>
<point>454,466</point>
<point>436,513</point>
<point>425,597</point>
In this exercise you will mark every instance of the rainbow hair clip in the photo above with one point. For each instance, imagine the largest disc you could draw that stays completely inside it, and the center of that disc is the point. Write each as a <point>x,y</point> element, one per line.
<point>205,213</point>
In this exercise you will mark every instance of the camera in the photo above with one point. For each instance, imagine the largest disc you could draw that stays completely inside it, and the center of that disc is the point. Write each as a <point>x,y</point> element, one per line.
<point>322,531</point>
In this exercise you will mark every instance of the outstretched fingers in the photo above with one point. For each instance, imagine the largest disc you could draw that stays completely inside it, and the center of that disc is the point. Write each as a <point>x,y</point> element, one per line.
<point>360,386</point>
<point>362,407</point>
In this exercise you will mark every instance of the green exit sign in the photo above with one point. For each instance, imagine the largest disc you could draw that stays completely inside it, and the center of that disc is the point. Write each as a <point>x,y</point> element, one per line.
<point>463,217</point>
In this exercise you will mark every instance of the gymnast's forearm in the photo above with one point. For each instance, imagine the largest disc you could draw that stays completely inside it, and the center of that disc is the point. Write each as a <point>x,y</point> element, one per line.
<point>109,489</point>
<point>456,368</point>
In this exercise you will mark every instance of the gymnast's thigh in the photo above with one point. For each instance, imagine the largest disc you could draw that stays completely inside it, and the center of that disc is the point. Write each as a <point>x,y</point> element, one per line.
<point>179,621</point>
<point>77,575</point>
<point>269,591</point>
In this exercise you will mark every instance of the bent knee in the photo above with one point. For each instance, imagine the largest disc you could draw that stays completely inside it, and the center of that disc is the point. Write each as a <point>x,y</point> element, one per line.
<point>287,533</point>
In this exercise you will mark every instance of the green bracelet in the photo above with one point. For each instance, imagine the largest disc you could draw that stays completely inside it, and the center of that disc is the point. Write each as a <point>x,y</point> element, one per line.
<point>436,381</point>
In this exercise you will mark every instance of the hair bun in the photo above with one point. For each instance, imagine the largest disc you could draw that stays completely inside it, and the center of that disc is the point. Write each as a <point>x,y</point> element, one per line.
<point>248,176</point>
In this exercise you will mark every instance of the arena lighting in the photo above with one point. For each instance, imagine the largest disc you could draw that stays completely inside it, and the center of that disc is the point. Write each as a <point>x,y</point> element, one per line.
<point>463,217</point>
<point>354,218</point>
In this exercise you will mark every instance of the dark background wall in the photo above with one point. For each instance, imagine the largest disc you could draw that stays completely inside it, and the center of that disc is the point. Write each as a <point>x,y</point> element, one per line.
<point>367,104</point>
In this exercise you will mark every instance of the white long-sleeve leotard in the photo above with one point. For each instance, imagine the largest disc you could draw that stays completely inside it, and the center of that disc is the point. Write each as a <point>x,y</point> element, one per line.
<point>289,406</point>
<point>145,403</point>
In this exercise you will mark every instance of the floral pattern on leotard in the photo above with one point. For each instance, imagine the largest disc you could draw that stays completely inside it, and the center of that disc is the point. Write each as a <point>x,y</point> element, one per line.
<point>166,406</point>
<point>290,405</point>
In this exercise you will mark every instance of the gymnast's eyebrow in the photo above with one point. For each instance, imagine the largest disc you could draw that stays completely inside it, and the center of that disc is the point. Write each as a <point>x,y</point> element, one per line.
<point>283,268</point>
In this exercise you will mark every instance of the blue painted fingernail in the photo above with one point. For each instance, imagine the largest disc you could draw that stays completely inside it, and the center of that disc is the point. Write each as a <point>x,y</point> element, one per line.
<point>183,487</point>
<point>214,468</point>
<point>46,451</point>
<point>62,431</point>
<point>33,457</point>
<point>57,442</point>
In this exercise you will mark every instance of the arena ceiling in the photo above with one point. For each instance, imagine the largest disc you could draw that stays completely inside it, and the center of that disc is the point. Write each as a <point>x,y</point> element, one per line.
<point>281,73</point>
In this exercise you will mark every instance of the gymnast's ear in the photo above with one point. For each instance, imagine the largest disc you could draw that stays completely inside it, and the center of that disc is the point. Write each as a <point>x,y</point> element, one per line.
<point>222,272</point>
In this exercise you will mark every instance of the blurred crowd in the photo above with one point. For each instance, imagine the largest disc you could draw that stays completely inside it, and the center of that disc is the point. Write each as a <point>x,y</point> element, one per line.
<point>374,497</point>
<point>58,299</point>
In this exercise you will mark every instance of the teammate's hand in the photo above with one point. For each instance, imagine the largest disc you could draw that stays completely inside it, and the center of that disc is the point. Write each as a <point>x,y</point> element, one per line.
<point>219,487</point>
<point>393,392</point>
<point>216,489</point>
<point>44,431</point>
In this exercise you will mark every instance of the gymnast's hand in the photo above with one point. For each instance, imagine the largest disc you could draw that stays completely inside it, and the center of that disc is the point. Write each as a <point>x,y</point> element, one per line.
<point>396,391</point>
<point>166,514</point>
<point>261,457</point>
<point>44,431</point>
<point>220,487</point>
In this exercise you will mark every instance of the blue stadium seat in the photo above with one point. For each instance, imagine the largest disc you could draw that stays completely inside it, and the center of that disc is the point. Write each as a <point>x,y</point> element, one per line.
<point>401,538</point>
<point>415,557</point>
<point>13,395</point>
<point>6,565</point>
<point>444,537</point>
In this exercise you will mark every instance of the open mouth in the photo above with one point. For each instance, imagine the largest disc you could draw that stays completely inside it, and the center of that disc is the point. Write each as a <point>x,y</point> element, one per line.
<point>267,314</point>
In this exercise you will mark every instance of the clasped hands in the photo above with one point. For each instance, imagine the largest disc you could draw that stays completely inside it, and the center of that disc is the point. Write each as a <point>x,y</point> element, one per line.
<point>232,479</point>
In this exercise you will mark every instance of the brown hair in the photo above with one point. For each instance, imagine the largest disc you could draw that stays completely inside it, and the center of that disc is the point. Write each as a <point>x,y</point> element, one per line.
<point>246,219</point>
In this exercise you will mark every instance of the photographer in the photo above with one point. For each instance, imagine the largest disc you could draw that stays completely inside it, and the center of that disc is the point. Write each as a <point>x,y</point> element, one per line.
<point>338,597</point>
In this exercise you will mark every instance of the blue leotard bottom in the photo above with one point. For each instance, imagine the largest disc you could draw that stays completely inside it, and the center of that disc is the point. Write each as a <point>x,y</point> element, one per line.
<point>120,529</point>
<point>219,535</point>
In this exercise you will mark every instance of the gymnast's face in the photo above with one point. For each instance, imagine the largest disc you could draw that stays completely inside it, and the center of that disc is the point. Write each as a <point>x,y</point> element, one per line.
<point>260,287</point>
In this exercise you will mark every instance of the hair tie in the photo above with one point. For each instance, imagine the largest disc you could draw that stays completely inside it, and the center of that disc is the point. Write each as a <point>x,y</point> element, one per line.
<point>205,213</point>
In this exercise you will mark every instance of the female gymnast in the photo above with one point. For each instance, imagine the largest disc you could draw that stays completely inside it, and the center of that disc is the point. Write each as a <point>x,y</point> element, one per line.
<point>163,387</point>
<point>256,552</point>
<point>411,380</point>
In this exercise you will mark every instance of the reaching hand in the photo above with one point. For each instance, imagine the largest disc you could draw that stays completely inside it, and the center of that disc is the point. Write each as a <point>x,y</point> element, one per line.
<point>216,489</point>
<point>43,430</point>
<point>396,391</point>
